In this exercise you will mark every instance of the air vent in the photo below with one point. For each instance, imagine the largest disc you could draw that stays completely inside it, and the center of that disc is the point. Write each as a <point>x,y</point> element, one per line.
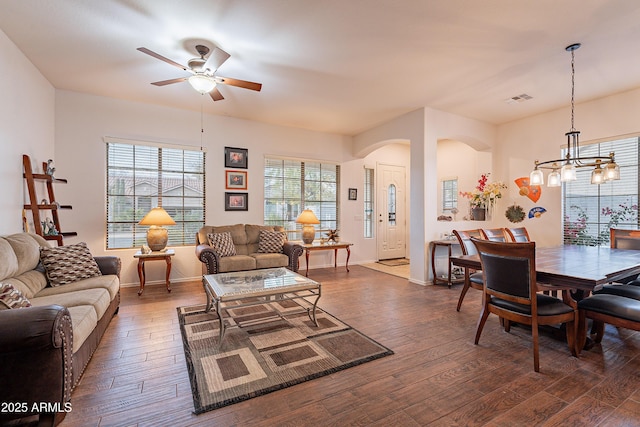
<point>518,99</point>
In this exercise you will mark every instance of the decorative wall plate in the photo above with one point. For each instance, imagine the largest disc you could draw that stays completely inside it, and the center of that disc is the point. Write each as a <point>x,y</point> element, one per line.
<point>515,213</point>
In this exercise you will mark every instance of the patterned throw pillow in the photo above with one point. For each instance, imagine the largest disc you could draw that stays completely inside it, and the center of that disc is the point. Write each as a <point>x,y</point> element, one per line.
<point>271,242</point>
<point>68,264</point>
<point>222,243</point>
<point>10,297</point>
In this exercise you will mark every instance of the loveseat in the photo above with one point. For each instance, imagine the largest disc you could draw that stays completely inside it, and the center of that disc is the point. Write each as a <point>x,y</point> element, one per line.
<point>49,333</point>
<point>253,247</point>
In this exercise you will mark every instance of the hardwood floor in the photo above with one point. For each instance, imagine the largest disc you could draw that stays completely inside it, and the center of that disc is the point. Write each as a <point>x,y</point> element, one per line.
<point>138,375</point>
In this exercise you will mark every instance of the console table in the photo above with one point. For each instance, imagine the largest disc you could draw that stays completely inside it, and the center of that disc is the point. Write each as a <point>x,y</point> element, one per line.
<point>319,246</point>
<point>154,256</point>
<point>449,278</point>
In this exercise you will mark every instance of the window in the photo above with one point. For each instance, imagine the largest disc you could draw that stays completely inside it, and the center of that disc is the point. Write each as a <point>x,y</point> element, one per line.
<point>368,203</point>
<point>591,210</point>
<point>141,176</point>
<point>290,186</point>
<point>449,194</point>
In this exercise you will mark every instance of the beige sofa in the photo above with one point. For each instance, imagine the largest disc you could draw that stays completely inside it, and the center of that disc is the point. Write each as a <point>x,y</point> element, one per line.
<point>46,347</point>
<point>246,240</point>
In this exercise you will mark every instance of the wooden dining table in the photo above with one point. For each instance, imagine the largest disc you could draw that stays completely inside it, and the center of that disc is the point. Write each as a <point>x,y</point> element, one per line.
<point>581,269</point>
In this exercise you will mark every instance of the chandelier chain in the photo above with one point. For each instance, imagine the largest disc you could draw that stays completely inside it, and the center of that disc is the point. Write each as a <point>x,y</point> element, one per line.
<point>573,88</point>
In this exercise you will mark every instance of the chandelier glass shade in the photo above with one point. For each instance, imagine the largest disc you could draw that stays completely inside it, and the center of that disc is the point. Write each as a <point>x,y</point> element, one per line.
<point>202,83</point>
<point>563,170</point>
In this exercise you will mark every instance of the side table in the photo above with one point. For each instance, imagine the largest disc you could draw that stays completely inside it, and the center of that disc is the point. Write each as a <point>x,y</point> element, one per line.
<point>317,246</point>
<point>154,256</point>
<point>449,278</point>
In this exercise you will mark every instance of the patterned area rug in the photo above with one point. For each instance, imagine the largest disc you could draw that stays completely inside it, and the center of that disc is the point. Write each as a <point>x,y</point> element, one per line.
<point>275,346</point>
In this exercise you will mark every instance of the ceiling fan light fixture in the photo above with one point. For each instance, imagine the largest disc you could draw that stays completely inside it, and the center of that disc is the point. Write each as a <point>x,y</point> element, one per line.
<point>201,83</point>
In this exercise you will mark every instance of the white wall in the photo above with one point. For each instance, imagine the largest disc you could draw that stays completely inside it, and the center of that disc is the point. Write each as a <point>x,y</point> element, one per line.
<point>80,155</point>
<point>542,137</point>
<point>26,127</point>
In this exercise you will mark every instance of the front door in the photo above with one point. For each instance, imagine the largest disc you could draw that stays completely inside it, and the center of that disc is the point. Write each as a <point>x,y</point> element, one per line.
<point>391,212</point>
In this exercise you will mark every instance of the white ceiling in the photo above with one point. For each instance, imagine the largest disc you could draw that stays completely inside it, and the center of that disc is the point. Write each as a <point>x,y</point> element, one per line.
<point>339,66</point>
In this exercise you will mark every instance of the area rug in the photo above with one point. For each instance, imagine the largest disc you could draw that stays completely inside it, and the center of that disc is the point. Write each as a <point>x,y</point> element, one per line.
<point>394,262</point>
<point>271,346</point>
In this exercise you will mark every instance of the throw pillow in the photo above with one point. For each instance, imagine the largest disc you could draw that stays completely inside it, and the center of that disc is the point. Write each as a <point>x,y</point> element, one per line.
<point>10,297</point>
<point>68,264</point>
<point>222,243</point>
<point>271,242</point>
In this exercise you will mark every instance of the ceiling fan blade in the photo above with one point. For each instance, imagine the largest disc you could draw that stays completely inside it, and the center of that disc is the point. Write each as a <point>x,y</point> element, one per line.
<point>161,58</point>
<point>168,82</point>
<point>240,83</point>
<point>216,59</point>
<point>216,95</point>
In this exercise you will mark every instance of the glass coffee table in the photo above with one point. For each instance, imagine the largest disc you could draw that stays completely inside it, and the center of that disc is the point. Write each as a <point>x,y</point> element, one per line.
<point>252,287</point>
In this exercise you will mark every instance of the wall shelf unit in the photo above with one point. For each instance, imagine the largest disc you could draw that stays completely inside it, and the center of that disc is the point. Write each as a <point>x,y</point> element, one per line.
<point>36,208</point>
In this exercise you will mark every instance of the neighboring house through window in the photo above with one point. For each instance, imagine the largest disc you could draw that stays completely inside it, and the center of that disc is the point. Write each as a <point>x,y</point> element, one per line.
<point>141,176</point>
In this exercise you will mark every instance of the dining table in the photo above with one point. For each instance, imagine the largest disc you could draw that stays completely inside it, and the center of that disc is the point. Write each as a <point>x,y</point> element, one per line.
<point>578,269</point>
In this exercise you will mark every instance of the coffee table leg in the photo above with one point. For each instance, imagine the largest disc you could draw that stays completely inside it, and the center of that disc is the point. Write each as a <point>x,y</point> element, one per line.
<point>209,298</point>
<point>312,313</point>
<point>222,330</point>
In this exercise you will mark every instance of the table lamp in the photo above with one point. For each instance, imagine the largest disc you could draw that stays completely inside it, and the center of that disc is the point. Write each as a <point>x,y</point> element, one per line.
<point>307,218</point>
<point>157,236</point>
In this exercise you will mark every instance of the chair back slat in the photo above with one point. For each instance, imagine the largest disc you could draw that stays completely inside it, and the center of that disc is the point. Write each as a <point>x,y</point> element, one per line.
<point>494,234</point>
<point>464,238</point>
<point>625,239</point>
<point>518,234</point>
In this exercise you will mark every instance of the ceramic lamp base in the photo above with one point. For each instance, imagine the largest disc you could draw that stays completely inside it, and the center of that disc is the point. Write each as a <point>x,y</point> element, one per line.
<point>157,238</point>
<point>308,234</point>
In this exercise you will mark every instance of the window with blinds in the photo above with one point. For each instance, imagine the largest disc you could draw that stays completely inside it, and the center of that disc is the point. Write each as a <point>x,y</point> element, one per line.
<point>141,177</point>
<point>290,186</point>
<point>368,203</point>
<point>591,210</point>
<point>449,194</point>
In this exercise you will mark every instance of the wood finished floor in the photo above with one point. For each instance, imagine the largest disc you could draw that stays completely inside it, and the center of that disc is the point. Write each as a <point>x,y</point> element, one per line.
<point>138,376</point>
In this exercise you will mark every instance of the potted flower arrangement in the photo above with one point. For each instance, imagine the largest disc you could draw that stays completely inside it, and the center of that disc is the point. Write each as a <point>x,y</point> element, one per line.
<point>484,196</point>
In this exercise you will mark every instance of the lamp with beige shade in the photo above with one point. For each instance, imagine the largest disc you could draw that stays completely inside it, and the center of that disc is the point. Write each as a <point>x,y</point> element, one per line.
<point>307,218</point>
<point>157,235</point>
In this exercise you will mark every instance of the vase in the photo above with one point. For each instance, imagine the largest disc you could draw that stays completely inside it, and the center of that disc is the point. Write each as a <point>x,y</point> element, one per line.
<point>478,214</point>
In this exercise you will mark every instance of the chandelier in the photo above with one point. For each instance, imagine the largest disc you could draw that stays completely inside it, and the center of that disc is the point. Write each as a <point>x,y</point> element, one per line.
<point>562,170</point>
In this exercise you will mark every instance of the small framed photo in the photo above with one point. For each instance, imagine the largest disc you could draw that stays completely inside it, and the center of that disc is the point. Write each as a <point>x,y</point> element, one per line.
<point>353,194</point>
<point>236,157</point>
<point>236,180</point>
<point>236,201</point>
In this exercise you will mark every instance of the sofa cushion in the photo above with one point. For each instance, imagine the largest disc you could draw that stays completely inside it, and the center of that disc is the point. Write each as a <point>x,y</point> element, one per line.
<point>68,264</point>
<point>19,253</point>
<point>222,243</point>
<point>98,298</point>
<point>10,297</point>
<point>270,260</point>
<point>237,263</point>
<point>110,282</point>
<point>84,320</point>
<point>30,282</point>
<point>271,242</point>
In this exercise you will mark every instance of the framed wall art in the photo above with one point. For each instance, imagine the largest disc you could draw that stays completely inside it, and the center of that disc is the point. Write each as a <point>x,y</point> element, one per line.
<point>236,180</point>
<point>236,201</point>
<point>236,157</point>
<point>353,194</point>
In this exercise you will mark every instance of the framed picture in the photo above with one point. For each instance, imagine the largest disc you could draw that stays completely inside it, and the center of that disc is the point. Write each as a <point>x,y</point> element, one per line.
<point>236,180</point>
<point>235,157</point>
<point>236,201</point>
<point>353,194</point>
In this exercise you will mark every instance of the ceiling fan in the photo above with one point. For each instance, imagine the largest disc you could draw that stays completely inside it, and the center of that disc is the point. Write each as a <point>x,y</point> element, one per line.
<point>203,78</point>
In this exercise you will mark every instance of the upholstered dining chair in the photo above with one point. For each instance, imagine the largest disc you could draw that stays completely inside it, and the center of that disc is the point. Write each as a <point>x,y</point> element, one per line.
<point>630,286</point>
<point>518,234</point>
<point>472,278</point>
<point>494,234</point>
<point>511,292</point>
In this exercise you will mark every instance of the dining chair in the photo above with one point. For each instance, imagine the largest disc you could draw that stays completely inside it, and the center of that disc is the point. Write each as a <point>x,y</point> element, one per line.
<point>472,278</point>
<point>511,292</point>
<point>630,286</point>
<point>518,234</point>
<point>494,234</point>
